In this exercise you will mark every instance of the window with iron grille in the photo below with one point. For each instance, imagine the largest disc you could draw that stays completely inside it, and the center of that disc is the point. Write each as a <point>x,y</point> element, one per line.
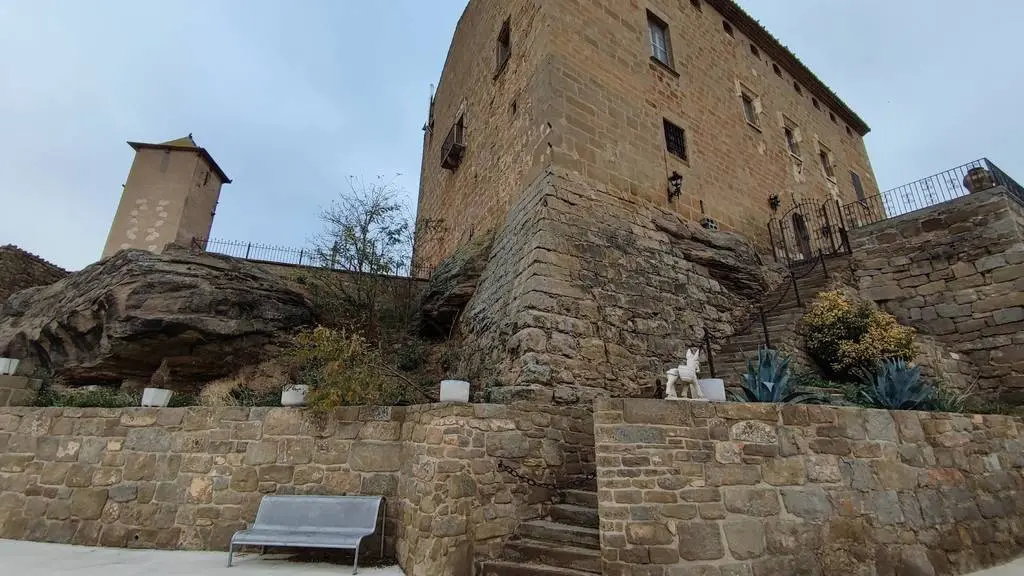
<point>504,46</point>
<point>454,146</point>
<point>857,186</point>
<point>749,109</point>
<point>661,48</point>
<point>792,140</point>
<point>675,140</point>
<point>826,163</point>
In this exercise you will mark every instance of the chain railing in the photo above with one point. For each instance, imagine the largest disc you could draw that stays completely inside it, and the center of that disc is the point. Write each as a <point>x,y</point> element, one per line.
<point>574,482</point>
<point>274,254</point>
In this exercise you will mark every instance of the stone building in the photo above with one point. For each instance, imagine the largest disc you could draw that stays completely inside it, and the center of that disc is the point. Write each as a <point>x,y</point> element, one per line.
<point>630,95</point>
<point>598,141</point>
<point>170,197</point>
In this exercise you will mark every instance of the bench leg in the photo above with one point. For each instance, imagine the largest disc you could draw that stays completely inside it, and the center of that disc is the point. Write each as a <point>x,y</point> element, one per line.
<point>355,564</point>
<point>231,549</point>
<point>263,550</point>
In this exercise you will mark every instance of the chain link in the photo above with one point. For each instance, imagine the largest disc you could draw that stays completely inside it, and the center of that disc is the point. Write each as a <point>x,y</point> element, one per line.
<point>575,482</point>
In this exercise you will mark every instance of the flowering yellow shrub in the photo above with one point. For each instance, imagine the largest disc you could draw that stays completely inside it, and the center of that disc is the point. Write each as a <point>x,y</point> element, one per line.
<point>342,369</point>
<point>843,335</point>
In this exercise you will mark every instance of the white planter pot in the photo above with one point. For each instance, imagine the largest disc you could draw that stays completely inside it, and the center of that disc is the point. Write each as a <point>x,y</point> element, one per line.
<point>294,395</point>
<point>6,367</point>
<point>713,389</point>
<point>156,397</point>
<point>454,391</point>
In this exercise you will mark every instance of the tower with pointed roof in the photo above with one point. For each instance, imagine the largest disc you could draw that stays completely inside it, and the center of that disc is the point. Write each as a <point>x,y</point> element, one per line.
<point>170,197</point>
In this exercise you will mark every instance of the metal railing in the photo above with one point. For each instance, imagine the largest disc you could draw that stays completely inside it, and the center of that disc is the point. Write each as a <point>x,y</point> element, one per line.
<point>288,256</point>
<point>927,192</point>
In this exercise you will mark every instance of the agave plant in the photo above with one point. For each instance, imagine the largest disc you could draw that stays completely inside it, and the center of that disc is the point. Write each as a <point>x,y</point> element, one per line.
<point>896,385</point>
<point>768,381</point>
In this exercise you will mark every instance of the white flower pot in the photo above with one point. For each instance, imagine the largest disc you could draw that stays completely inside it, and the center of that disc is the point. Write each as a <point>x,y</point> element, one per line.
<point>713,389</point>
<point>8,366</point>
<point>156,397</point>
<point>454,391</point>
<point>294,395</point>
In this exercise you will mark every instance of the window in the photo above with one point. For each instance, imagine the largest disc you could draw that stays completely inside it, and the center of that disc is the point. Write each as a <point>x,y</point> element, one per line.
<point>696,4</point>
<point>799,90</point>
<point>832,117</point>
<point>504,46</point>
<point>777,70</point>
<point>755,51</point>
<point>815,102</point>
<point>750,109</point>
<point>857,186</point>
<point>675,140</point>
<point>454,146</point>
<point>826,163</point>
<point>792,138</point>
<point>661,49</point>
<point>849,132</point>
<point>727,27</point>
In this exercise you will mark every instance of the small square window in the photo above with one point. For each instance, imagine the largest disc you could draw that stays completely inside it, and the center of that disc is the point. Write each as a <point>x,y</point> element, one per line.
<point>696,4</point>
<point>832,117</point>
<point>826,163</point>
<point>777,70</point>
<point>799,90</point>
<point>661,48</point>
<point>816,104</point>
<point>727,27</point>
<point>675,140</point>
<point>504,46</point>
<point>750,108</point>
<point>849,132</point>
<point>754,50</point>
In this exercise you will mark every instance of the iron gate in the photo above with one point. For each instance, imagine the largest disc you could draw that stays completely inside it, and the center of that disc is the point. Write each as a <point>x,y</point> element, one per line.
<point>808,230</point>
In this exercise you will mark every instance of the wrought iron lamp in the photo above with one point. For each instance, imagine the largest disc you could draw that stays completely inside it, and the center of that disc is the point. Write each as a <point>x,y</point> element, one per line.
<point>675,185</point>
<point>774,202</point>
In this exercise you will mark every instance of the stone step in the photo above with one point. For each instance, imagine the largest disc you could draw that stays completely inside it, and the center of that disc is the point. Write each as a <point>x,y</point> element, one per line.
<point>556,555</point>
<point>574,515</point>
<point>499,568</point>
<point>581,498</point>
<point>547,531</point>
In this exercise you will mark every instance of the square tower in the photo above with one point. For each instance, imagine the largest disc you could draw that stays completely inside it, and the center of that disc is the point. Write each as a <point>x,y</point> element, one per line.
<point>170,197</point>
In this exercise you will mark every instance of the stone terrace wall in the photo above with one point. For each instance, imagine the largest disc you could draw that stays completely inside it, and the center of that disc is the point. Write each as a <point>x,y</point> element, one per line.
<point>765,490</point>
<point>188,478</point>
<point>20,270</point>
<point>590,293</point>
<point>955,271</point>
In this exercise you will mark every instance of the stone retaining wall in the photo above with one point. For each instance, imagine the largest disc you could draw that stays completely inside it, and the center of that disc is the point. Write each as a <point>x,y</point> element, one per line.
<point>188,478</point>
<point>955,271</point>
<point>20,270</point>
<point>764,490</point>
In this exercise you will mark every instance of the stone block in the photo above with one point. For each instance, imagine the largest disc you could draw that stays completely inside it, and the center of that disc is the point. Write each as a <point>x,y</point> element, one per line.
<point>123,493</point>
<point>140,467</point>
<point>376,457</point>
<point>665,412</point>
<point>745,538</point>
<point>648,534</point>
<point>634,435</point>
<point>699,541</point>
<point>300,450</point>
<point>732,474</point>
<point>280,473</point>
<point>784,471</point>
<point>755,432</point>
<point>244,479</point>
<point>738,411</point>
<point>810,503</point>
<point>257,453</point>
<point>751,501</point>
<point>87,503</point>
<point>148,440</point>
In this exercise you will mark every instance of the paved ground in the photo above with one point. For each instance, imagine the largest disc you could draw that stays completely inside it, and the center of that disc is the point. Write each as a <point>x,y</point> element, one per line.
<point>59,560</point>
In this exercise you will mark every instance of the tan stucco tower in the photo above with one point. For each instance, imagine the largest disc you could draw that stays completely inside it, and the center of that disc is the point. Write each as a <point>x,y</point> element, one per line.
<point>170,197</point>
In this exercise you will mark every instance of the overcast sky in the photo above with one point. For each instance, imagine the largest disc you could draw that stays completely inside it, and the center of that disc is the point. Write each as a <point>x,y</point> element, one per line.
<point>292,97</point>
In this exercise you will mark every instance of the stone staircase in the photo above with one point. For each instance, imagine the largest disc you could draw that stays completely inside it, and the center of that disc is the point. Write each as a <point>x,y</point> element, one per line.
<point>567,543</point>
<point>781,319</point>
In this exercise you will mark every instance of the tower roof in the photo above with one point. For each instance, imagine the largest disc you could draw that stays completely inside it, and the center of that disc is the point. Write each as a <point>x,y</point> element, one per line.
<point>184,144</point>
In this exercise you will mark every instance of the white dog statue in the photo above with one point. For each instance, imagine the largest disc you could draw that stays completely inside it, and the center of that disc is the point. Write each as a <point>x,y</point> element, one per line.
<point>686,373</point>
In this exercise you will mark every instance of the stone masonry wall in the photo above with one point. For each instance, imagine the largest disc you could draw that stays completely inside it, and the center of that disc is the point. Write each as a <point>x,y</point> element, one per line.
<point>955,272</point>
<point>188,478</point>
<point>20,270</point>
<point>589,292</point>
<point>763,490</point>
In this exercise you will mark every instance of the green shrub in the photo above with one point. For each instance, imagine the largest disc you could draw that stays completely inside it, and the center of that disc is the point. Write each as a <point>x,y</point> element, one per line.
<point>845,337</point>
<point>769,381</point>
<point>411,356</point>
<point>896,385</point>
<point>47,396</point>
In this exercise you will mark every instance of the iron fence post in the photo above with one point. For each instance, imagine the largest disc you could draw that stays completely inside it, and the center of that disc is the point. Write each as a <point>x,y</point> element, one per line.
<point>302,252</point>
<point>845,230</point>
<point>707,346</point>
<point>771,241</point>
<point>796,290</point>
<point>764,327</point>
<point>828,224</point>
<point>248,247</point>
<point>824,266</point>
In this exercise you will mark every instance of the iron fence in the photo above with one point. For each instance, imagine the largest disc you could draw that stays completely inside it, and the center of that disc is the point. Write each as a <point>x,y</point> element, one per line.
<point>936,189</point>
<point>306,257</point>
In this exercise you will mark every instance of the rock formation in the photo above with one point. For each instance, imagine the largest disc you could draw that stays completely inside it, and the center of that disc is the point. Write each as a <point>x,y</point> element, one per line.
<point>452,286</point>
<point>194,317</point>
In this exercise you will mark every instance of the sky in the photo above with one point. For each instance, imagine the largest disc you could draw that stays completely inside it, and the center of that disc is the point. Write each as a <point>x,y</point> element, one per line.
<point>292,98</point>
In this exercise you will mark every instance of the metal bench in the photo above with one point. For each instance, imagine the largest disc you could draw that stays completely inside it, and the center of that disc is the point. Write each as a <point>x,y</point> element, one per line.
<point>339,522</point>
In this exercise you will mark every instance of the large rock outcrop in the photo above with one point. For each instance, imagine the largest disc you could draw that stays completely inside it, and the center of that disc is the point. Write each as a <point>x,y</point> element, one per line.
<point>452,286</point>
<point>192,317</point>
